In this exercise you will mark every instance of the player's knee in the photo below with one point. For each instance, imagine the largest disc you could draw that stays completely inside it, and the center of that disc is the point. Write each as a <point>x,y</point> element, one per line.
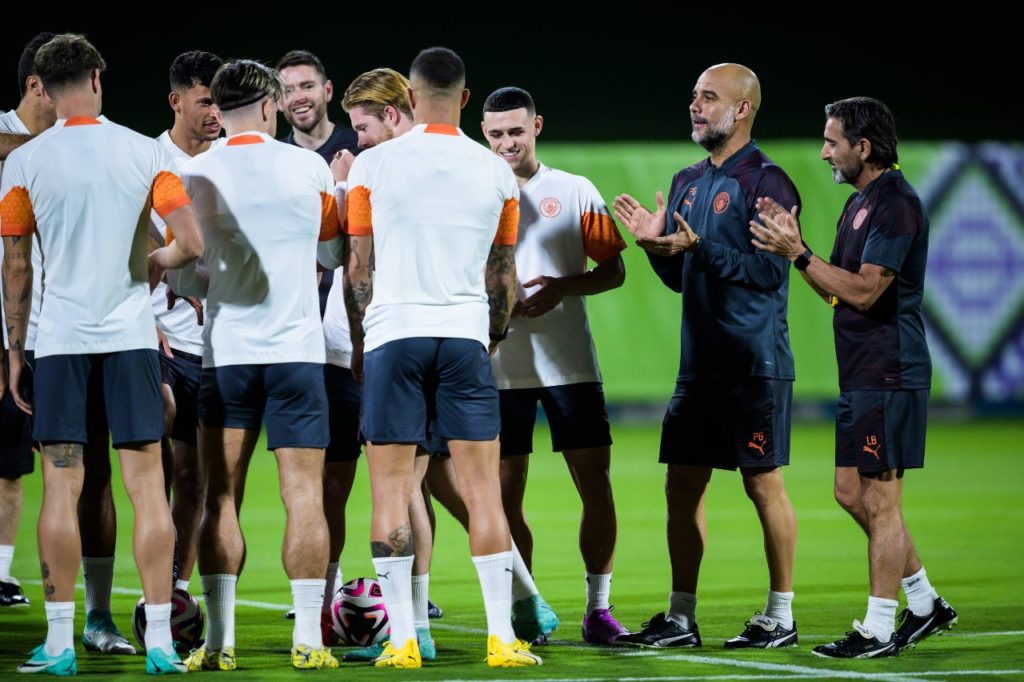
<point>683,485</point>
<point>187,483</point>
<point>849,500</point>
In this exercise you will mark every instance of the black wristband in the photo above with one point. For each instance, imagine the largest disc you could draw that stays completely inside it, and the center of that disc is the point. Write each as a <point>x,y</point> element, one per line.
<point>499,337</point>
<point>803,260</point>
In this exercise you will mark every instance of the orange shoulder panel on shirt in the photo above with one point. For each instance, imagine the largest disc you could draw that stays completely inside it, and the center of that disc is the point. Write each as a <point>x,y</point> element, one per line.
<point>508,224</point>
<point>601,238</point>
<point>358,212</point>
<point>168,194</point>
<point>329,226</point>
<point>17,219</point>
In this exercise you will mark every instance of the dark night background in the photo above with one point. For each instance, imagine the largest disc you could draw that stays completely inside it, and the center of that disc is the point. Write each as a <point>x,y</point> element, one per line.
<point>600,82</point>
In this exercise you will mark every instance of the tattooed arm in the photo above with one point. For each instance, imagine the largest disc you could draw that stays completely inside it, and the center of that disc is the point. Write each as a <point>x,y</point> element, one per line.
<point>500,282</point>
<point>17,274</point>
<point>358,283</point>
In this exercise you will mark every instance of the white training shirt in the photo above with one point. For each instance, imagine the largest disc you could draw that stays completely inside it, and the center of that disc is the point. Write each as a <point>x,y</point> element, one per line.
<point>86,186</point>
<point>10,123</point>
<point>178,324</point>
<point>263,205</point>
<point>337,334</point>
<point>563,221</point>
<point>435,201</point>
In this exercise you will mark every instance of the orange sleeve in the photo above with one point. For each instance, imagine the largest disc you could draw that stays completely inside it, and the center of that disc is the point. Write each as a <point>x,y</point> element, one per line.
<point>329,224</point>
<point>358,212</point>
<point>168,194</point>
<point>601,238</point>
<point>508,224</point>
<point>17,219</point>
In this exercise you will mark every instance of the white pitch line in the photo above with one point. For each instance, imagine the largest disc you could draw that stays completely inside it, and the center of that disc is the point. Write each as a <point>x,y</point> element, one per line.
<point>816,674</point>
<point>783,668</point>
<point>1005,633</point>
<point>828,673</point>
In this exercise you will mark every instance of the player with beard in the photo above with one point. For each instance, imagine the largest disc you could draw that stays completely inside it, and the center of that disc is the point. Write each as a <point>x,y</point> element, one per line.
<point>874,279</point>
<point>307,92</point>
<point>196,128</point>
<point>731,405</point>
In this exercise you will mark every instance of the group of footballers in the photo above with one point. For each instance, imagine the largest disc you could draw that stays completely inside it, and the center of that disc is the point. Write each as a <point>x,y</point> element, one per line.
<point>398,285</point>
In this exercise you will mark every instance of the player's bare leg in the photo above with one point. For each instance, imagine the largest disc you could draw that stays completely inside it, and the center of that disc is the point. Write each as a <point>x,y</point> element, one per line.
<point>392,479</point>
<point>306,540</point>
<point>590,469</point>
<point>767,490</point>
<point>187,503</point>
<point>97,523</point>
<point>514,472</point>
<point>226,456</point>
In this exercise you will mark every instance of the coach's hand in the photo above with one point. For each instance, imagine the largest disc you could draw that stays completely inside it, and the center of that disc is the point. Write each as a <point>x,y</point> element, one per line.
<point>683,239</point>
<point>640,221</point>
<point>779,230</point>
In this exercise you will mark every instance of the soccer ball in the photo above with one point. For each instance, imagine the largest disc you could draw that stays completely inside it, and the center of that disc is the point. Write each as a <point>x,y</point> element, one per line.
<point>358,613</point>
<point>186,621</point>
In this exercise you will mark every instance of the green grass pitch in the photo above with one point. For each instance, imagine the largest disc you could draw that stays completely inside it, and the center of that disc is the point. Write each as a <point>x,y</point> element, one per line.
<point>964,512</point>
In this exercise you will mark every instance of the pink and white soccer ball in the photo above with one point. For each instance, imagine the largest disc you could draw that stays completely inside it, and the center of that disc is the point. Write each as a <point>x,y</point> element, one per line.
<point>358,613</point>
<point>186,621</point>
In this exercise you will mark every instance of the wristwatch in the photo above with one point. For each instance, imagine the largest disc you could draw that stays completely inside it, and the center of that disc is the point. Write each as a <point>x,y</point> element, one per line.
<point>803,260</point>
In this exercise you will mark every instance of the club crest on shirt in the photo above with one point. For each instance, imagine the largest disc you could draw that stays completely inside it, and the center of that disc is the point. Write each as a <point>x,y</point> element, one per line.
<point>721,202</point>
<point>550,207</point>
<point>859,219</point>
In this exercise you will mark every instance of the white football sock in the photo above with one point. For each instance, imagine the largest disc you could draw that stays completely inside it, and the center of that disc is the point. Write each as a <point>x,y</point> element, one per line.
<point>98,576</point>
<point>495,573</point>
<point>395,577</point>
<point>308,599</point>
<point>921,595</point>
<point>60,632</point>
<point>881,618</point>
<point>780,608</point>
<point>219,595</point>
<point>522,582</point>
<point>420,590</point>
<point>682,608</point>
<point>599,588</point>
<point>6,557</point>
<point>158,628</point>
<point>180,584</point>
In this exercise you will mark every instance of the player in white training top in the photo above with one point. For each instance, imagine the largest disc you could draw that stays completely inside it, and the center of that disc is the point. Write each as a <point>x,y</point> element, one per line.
<point>263,205</point>
<point>549,356</point>
<point>100,335</point>
<point>196,128</point>
<point>436,215</point>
